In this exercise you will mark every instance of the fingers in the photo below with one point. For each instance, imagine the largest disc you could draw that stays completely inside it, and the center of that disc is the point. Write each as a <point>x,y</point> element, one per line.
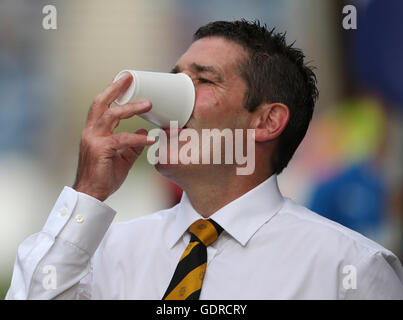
<point>131,154</point>
<point>116,88</point>
<point>111,117</point>
<point>105,98</point>
<point>144,133</point>
<point>124,140</point>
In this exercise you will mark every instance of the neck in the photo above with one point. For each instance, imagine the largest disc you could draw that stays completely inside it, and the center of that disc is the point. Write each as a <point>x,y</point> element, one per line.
<point>210,192</point>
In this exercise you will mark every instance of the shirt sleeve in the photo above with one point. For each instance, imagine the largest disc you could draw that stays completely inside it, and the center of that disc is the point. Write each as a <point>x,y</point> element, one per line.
<point>56,262</point>
<point>379,277</point>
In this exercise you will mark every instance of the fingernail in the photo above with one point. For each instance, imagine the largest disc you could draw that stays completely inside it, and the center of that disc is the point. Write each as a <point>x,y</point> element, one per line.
<point>123,78</point>
<point>150,139</point>
<point>145,103</point>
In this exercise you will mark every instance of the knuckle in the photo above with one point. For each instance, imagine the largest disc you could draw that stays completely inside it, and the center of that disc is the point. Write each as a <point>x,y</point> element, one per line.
<point>86,142</point>
<point>116,139</point>
<point>125,136</point>
<point>109,113</point>
<point>87,138</point>
<point>97,100</point>
<point>129,109</point>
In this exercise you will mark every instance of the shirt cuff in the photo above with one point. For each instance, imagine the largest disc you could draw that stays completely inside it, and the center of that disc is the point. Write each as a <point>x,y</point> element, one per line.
<point>79,219</point>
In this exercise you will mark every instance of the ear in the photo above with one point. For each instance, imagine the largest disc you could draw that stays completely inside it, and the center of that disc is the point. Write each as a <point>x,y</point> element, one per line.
<point>270,121</point>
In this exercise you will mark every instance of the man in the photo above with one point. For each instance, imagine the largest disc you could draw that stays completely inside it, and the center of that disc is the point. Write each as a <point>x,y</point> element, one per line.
<point>231,236</point>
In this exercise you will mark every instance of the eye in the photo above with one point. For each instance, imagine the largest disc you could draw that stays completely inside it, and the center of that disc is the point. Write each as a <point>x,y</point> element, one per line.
<point>203,80</point>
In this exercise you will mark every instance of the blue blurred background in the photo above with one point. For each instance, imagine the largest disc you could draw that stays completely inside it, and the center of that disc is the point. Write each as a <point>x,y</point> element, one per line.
<point>348,168</point>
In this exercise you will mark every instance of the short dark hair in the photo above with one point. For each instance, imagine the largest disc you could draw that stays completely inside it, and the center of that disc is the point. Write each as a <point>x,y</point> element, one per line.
<point>274,72</point>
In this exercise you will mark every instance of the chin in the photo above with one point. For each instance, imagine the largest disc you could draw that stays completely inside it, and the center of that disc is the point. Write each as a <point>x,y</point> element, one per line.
<point>169,168</point>
<point>178,173</point>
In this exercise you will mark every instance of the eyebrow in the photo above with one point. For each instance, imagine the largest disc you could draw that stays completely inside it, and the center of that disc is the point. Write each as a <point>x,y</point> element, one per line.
<point>200,68</point>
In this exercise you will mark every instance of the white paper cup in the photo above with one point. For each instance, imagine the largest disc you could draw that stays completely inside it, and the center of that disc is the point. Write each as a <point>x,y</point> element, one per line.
<point>172,96</point>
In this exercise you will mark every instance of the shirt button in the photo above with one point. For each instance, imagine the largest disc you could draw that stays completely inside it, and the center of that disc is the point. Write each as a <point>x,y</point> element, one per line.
<point>79,218</point>
<point>63,212</point>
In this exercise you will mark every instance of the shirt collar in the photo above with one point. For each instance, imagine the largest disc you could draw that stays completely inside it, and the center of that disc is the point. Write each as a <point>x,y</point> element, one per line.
<point>240,218</point>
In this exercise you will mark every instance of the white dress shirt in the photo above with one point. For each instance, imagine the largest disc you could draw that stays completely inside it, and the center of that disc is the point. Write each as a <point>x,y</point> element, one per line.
<point>271,248</point>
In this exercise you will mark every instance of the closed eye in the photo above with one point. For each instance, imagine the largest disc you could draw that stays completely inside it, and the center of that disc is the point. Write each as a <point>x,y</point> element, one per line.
<point>203,80</point>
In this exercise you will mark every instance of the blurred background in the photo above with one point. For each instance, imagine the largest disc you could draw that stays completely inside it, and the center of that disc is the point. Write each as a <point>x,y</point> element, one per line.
<point>348,167</point>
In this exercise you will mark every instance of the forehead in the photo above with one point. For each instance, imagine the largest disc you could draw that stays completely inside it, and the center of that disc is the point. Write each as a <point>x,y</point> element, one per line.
<point>213,51</point>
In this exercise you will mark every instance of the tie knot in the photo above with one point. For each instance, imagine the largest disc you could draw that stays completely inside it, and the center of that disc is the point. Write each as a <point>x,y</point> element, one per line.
<point>207,231</point>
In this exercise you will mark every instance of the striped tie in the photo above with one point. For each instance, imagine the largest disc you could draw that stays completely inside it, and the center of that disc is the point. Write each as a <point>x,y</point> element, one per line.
<point>187,280</point>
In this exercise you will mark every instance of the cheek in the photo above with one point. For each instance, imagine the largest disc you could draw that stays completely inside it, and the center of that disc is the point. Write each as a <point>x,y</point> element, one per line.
<point>206,103</point>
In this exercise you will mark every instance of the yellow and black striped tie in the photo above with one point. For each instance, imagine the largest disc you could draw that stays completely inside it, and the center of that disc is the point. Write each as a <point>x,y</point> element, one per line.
<point>187,280</point>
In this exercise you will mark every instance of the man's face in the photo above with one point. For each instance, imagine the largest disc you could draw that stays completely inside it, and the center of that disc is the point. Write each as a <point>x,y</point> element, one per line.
<point>212,63</point>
